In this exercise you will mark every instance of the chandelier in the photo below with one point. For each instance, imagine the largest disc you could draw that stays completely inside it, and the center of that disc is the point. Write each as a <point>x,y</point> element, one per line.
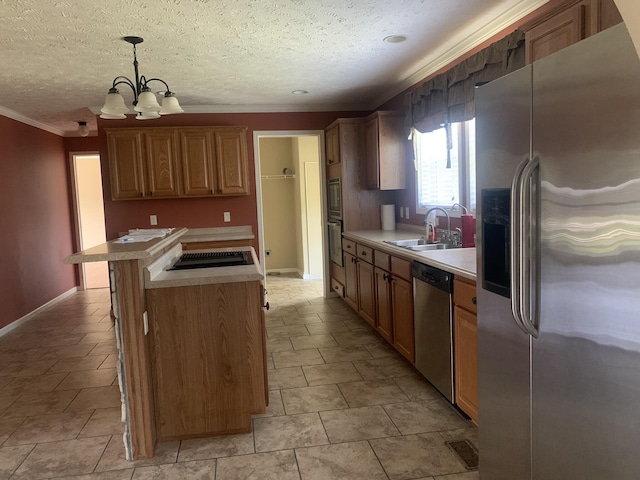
<point>144,100</point>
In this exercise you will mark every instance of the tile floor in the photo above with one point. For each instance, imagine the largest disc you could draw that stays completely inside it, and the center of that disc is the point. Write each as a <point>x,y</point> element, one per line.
<point>343,405</point>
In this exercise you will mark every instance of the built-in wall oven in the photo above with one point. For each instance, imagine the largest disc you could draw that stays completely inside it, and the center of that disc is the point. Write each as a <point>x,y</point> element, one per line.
<point>335,199</point>
<point>335,221</point>
<point>335,241</point>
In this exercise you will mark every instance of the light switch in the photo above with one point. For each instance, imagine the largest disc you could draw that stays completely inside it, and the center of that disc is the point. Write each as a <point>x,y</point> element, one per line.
<point>401,212</point>
<point>406,212</point>
<point>153,219</point>
<point>227,216</point>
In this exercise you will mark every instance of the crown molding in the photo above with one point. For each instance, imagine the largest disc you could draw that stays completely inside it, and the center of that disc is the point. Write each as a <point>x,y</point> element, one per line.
<point>290,108</point>
<point>471,39</point>
<point>34,123</point>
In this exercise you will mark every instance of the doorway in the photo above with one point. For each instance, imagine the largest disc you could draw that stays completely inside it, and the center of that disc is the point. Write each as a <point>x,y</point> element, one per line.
<point>89,210</point>
<point>290,198</point>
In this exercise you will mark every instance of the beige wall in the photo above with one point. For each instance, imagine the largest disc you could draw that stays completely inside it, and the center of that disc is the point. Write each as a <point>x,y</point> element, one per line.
<point>278,205</point>
<point>91,216</point>
<point>310,257</point>
<point>630,10</point>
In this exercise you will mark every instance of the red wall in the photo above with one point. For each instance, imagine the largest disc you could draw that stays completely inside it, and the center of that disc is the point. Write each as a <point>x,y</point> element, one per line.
<point>36,221</point>
<point>122,215</point>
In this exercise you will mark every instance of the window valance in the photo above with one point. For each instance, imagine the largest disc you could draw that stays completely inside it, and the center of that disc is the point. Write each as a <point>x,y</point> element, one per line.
<point>449,96</point>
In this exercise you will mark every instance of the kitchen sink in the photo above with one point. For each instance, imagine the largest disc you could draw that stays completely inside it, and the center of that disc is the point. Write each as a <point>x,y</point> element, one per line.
<point>413,242</point>
<point>420,245</point>
<point>431,246</point>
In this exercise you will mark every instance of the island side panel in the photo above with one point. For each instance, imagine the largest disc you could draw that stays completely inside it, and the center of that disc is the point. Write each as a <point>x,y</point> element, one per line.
<point>256,346</point>
<point>203,382</point>
<point>131,298</point>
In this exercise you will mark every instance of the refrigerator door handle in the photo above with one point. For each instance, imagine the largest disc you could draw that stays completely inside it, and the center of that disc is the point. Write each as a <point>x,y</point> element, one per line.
<point>528,291</point>
<point>515,240</point>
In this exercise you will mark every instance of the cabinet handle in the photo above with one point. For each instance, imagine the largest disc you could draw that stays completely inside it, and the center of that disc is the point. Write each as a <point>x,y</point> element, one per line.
<point>384,276</point>
<point>364,254</point>
<point>266,306</point>
<point>474,300</point>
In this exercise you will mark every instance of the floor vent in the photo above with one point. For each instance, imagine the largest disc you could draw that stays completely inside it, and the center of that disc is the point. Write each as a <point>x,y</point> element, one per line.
<point>467,452</point>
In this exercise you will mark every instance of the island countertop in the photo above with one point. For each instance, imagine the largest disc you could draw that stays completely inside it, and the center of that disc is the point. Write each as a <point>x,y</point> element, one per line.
<point>113,251</point>
<point>459,261</point>
<point>156,275</point>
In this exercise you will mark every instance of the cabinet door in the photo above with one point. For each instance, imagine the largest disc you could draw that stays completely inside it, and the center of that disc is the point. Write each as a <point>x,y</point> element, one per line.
<point>197,162</point>
<point>350,281</point>
<point>466,361</point>
<point>125,164</point>
<point>231,161</point>
<point>558,32</point>
<point>366,292</point>
<point>403,328</point>
<point>384,323</point>
<point>162,163</point>
<point>333,145</point>
<point>372,158</point>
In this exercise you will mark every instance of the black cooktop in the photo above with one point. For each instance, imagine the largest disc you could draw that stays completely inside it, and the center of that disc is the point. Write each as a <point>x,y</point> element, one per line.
<point>212,259</point>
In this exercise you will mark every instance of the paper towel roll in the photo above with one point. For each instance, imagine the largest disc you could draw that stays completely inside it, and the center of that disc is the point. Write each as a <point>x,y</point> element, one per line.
<point>388,216</point>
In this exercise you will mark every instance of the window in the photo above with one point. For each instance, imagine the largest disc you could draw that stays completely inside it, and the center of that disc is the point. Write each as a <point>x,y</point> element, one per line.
<point>439,185</point>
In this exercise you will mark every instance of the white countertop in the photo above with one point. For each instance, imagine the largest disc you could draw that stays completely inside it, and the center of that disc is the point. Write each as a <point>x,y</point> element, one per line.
<point>156,275</point>
<point>218,234</point>
<point>459,261</point>
<point>112,251</point>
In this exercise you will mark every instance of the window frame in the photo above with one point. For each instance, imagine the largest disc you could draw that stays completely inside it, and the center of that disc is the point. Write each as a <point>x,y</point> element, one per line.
<point>464,174</point>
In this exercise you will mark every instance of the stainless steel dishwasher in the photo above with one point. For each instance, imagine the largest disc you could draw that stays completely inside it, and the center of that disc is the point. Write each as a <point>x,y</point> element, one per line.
<point>433,319</point>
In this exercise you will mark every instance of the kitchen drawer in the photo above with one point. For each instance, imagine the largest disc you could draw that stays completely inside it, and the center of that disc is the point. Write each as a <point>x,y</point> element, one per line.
<point>381,260</point>
<point>337,287</point>
<point>464,294</point>
<point>401,268</point>
<point>349,246</point>
<point>365,253</point>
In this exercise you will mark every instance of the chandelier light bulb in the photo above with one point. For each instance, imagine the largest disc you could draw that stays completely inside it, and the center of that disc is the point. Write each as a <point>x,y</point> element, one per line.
<point>83,129</point>
<point>144,100</point>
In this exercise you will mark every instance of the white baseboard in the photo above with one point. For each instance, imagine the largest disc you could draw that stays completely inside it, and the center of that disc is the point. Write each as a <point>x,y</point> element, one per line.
<point>22,320</point>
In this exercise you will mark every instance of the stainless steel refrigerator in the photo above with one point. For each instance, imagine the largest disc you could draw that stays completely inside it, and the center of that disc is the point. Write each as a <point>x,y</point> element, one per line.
<point>558,181</point>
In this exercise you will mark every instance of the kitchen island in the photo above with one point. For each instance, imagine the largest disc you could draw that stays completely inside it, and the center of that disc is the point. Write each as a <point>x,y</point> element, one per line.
<point>223,304</point>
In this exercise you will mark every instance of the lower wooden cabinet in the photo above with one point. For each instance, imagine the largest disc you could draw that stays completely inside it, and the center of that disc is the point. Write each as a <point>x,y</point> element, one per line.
<point>350,281</point>
<point>208,358</point>
<point>403,326</point>
<point>465,328</point>
<point>366,292</point>
<point>383,304</point>
<point>378,286</point>
<point>466,361</point>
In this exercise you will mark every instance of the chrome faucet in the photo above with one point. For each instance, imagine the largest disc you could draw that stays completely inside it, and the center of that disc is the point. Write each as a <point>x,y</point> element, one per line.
<point>447,236</point>
<point>462,207</point>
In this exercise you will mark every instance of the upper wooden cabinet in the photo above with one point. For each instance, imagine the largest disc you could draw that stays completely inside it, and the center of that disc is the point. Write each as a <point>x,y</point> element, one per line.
<point>162,164</point>
<point>385,164</point>
<point>231,161</point>
<point>567,24</point>
<point>332,141</point>
<point>178,162</point>
<point>125,164</point>
<point>197,162</point>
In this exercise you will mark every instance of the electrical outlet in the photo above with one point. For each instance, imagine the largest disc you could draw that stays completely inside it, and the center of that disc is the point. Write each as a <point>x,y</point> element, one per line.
<point>145,319</point>
<point>227,216</point>
<point>267,253</point>
<point>153,219</point>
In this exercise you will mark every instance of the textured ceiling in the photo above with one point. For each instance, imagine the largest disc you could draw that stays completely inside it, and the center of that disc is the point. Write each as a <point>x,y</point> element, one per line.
<point>58,58</point>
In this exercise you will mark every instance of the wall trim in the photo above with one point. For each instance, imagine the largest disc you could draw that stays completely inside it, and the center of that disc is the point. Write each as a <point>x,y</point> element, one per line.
<point>471,39</point>
<point>18,117</point>
<point>29,316</point>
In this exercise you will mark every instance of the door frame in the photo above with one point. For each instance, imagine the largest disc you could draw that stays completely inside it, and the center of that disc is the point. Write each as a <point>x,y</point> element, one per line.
<point>77,236</point>
<point>319,134</point>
